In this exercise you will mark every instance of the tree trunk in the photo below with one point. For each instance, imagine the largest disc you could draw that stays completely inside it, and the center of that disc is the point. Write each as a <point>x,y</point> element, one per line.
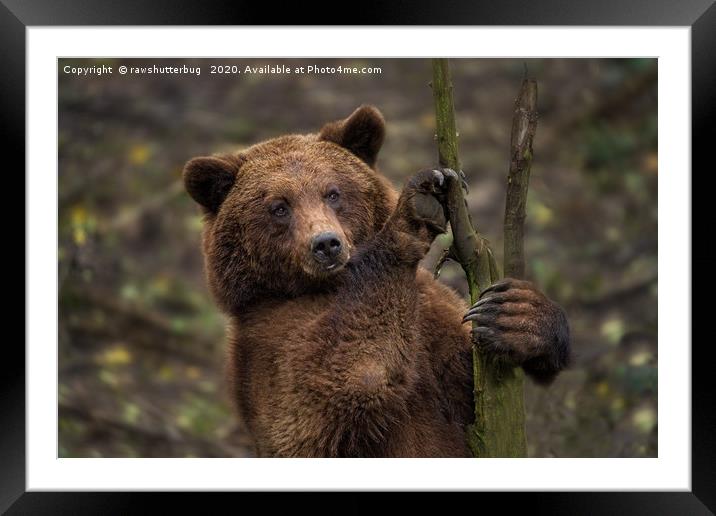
<point>499,427</point>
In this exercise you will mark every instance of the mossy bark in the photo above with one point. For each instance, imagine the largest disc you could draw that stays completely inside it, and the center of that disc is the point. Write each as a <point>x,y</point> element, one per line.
<point>499,427</point>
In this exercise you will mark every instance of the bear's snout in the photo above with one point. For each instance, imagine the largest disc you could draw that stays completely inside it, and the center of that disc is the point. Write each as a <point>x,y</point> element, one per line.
<point>326,248</point>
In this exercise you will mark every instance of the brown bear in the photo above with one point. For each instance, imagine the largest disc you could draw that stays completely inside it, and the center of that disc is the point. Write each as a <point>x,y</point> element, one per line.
<point>339,344</point>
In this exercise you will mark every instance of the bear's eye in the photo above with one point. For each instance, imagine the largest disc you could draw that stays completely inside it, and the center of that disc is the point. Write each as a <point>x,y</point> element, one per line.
<point>333,196</point>
<point>279,209</point>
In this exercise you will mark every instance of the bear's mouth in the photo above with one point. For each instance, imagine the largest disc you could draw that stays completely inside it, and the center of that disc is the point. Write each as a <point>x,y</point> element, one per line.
<point>333,266</point>
<point>325,269</point>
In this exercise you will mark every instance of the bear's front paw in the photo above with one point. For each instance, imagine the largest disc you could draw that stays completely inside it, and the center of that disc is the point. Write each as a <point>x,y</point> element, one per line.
<point>517,322</point>
<point>424,197</point>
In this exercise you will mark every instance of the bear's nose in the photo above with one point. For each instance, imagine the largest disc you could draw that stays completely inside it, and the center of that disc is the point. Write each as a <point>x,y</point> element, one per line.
<point>326,246</point>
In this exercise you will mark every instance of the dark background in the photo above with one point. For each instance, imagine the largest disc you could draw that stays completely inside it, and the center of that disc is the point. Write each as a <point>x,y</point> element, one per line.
<point>141,346</point>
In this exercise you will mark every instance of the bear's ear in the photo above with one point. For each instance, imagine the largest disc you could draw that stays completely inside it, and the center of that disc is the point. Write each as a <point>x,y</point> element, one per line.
<point>209,179</point>
<point>361,133</point>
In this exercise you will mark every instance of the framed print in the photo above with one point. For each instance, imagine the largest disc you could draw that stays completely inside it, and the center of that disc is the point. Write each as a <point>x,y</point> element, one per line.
<point>385,256</point>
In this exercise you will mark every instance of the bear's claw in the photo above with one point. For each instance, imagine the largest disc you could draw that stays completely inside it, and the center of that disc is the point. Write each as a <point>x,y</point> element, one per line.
<point>515,320</point>
<point>506,315</point>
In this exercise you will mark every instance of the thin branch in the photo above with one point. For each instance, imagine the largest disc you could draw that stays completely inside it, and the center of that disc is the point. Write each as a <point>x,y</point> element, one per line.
<point>524,125</point>
<point>439,254</point>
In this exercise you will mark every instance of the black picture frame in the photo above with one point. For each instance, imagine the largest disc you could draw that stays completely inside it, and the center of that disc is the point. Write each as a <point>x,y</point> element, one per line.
<point>700,15</point>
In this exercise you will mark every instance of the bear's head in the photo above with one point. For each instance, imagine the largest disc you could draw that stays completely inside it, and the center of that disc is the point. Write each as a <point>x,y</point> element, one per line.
<point>283,217</point>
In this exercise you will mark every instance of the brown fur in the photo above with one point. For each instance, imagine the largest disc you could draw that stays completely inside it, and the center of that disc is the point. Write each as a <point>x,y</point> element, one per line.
<point>367,359</point>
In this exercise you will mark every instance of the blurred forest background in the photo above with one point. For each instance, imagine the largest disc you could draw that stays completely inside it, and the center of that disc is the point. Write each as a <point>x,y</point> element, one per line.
<point>140,342</point>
